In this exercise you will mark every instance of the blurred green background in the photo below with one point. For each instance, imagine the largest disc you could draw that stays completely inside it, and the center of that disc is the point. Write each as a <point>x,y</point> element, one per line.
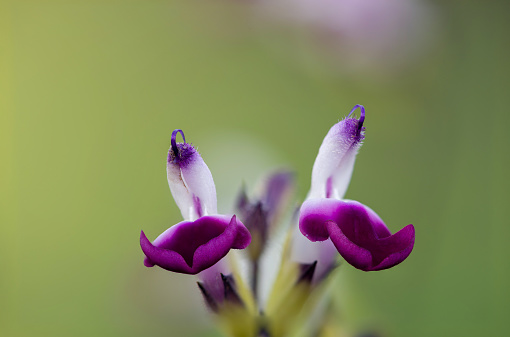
<point>91,90</point>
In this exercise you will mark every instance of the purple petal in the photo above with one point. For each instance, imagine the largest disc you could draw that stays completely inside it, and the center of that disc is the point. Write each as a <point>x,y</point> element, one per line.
<point>190,247</point>
<point>355,255</point>
<point>402,239</point>
<point>357,232</point>
<point>243,236</point>
<point>379,227</point>
<point>314,214</point>
<point>164,258</point>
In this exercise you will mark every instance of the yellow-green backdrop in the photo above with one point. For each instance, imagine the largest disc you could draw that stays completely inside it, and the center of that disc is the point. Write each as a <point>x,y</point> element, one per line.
<point>91,90</point>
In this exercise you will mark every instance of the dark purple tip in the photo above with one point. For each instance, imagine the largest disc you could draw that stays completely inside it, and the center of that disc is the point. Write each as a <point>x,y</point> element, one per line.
<point>209,300</point>
<point>361,116</point>
<point>230,291</point>
<point>307,272</point>
<point>174,143</point>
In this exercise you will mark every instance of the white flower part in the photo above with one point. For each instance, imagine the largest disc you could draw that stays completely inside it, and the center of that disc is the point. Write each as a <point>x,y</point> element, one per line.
<point>334,164</point>
<point>190,180</point>
<point>307,252</point>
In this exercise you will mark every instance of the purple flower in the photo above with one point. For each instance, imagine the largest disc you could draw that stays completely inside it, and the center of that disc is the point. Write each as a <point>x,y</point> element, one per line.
<point>357,232</point>
<point>331,176</point>
<point>204,238</point>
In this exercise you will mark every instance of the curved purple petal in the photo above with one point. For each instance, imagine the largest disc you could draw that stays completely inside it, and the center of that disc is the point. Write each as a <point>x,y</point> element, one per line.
<point>355,255</point>
<point>379,226</point>
<point>314,214</point>
<point>192,246</point>
<point>165,258</point>
<point>358,233</point>
<point>402,239</point>
<point>243,236</point>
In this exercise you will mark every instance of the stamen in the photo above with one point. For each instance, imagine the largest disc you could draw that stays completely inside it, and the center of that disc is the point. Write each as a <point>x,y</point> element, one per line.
<point>361,117</point>
<point>173,141</point>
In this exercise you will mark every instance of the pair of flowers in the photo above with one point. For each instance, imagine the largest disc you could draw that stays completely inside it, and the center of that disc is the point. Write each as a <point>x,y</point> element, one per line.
<point>203,239</point>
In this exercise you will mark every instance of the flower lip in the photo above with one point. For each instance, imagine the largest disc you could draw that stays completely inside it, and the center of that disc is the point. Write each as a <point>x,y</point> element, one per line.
<point>358,233</point>
<point>192,246</point>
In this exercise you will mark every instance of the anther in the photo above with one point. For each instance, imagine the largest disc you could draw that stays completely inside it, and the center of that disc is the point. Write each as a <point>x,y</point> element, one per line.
<point>361,117</point>
<point>173,141</point>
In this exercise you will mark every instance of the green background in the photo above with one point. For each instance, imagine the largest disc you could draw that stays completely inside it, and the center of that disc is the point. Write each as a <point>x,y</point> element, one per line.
<point>90,92</point>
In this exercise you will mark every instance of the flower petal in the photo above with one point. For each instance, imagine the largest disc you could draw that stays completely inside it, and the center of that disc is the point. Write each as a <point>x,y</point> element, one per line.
<point>190,180</point>
<point>190,247</point>
<point>166,259</point>
<point>400,244</point>
<point>214,250</point>
<point>357,232</point>
<point>334,164</point>
<point>314,214</point>
<point>377,224</point>
<point>355,255</point>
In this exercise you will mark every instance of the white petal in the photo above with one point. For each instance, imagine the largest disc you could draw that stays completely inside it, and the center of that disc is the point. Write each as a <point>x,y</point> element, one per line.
<point>307,252</point>
<point>190,181</point>
<point>334,164</point>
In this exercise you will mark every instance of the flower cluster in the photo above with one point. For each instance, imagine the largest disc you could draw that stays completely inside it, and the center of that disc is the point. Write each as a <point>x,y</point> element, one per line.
<point>327,225</point>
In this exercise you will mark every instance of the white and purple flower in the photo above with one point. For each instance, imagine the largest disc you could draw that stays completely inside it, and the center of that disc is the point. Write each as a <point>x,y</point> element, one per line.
<point>256,303</point>
<point>205,237</point>
<point>356,231</point>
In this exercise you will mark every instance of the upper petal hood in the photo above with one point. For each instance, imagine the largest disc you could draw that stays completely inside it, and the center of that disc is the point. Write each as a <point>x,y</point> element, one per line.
<point>334,164</point>
<point>190,180</point>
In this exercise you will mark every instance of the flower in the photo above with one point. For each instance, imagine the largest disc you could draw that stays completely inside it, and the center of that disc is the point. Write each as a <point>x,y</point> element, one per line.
<point>204,238</point>
<point>280,280</point>
<point>190,180</point>
<point>357,232</point>
<point>331,175</point>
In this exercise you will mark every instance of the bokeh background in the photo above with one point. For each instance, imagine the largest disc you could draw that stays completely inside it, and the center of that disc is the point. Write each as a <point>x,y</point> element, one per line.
<point>91,90</point>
